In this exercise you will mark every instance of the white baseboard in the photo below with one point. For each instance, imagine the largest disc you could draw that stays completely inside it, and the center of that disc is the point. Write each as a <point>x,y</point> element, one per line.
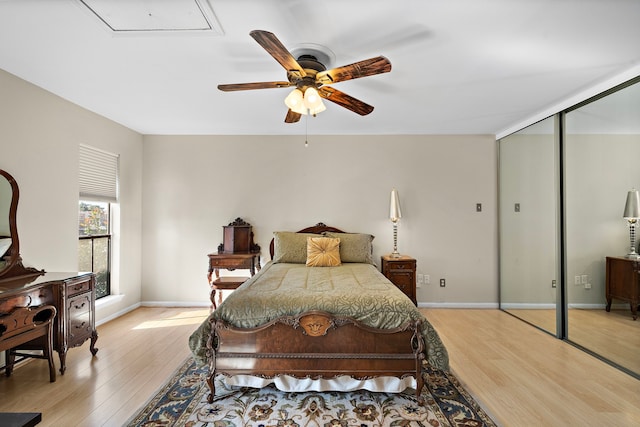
<point>116,314</point>
<point>528,306</point>
<point>175,304</point>
<point>468,305</point>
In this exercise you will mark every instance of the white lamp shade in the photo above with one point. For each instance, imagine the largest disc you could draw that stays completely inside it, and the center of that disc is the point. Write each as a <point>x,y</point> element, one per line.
<point>312,98</point>
<point>394,207</point>
<point>632,206</point>
<point>295,102</point>
<point>318,109</point>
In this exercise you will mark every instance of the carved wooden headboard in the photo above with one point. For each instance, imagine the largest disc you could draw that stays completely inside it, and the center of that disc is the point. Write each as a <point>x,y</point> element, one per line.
<point>319,228</point>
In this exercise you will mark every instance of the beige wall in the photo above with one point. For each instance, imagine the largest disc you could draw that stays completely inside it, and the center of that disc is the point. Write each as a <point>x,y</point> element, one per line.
<point>177,192</point>
<point>39,137</point>
<point>195,185</point>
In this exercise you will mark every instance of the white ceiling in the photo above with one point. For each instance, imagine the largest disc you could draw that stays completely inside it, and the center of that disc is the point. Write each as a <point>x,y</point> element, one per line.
<point>459,66</point>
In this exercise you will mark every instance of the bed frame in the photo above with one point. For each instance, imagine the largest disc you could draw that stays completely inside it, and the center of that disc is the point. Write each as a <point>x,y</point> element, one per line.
<point>316,345</point>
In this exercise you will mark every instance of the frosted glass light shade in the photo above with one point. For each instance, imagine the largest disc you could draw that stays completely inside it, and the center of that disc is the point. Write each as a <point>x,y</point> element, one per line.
<point>295,102</point>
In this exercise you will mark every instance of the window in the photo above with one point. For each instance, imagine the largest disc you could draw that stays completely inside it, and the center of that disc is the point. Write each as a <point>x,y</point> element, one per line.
<point>94,246</point>
<point>98,183</point>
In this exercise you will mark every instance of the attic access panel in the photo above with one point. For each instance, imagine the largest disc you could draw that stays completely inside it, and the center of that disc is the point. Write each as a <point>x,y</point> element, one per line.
<point>124,16</point>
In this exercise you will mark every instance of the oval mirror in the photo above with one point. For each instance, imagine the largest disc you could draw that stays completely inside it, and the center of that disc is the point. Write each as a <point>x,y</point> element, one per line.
<point>9,244</point>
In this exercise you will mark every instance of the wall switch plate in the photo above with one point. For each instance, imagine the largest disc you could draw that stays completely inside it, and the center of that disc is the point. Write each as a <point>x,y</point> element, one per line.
<point>478,207</point>
<point>427,279</point>
<point>516,207</point>
<point>585,279</point>
<point>576,280</point>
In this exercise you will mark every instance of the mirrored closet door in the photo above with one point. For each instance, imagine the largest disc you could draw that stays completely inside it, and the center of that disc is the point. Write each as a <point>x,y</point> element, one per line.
<point>563,186</point>
<point>528,230</point>
<point>602,146</point>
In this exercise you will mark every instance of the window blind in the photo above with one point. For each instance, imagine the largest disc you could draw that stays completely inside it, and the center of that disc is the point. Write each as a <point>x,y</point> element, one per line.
<point>98,175</point>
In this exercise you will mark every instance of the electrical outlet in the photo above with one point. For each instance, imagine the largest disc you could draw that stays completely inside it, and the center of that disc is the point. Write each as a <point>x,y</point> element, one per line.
<point>427,279</point>
<point>576,280</point>
<point>585,279</point>
<point>443,283</point>
<point>420,280</point>
<point>553,283</point>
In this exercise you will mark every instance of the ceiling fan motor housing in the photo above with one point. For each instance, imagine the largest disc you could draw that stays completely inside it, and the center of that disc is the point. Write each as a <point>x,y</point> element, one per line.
<point>311,67</point>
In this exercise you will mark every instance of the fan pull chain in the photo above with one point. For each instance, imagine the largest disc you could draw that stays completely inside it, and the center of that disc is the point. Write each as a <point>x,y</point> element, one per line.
<point>306,131</point>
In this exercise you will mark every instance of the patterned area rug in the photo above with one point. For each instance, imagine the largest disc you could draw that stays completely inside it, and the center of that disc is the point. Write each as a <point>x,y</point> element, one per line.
<point>182,401</point>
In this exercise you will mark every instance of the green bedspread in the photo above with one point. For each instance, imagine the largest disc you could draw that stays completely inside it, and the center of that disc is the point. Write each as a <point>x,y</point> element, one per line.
<point>354,290</point>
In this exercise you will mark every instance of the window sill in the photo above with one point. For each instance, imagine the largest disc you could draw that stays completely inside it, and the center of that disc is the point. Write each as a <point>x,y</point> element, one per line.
<point>108,300</point>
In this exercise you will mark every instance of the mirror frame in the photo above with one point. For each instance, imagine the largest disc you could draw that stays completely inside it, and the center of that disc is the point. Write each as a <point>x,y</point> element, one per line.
<point>14,265</point>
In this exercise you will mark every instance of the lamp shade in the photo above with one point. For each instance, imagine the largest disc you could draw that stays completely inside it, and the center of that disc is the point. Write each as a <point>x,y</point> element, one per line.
<point>632,206</point>
<point>295,102</point>
<point>394,207</point>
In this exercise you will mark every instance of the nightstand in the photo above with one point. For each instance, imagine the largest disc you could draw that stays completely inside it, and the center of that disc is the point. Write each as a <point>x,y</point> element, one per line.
<point>401,271</point>
<point>249,261</point>
<point>623,282</point>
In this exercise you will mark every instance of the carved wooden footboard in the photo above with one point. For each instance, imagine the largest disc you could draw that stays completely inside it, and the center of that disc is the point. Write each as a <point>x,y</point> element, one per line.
<point>316,345</point>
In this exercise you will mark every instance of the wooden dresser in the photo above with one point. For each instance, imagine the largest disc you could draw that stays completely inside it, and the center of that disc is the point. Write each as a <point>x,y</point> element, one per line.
<point>623,282</point>
<point>73,295</point>
<point>402,272</point>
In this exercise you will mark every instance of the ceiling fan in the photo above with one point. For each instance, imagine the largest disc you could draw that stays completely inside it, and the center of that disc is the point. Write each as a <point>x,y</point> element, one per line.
<point>309,77</point>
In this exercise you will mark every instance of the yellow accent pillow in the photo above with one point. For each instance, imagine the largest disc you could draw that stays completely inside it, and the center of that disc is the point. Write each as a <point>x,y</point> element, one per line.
<point>323,252</point>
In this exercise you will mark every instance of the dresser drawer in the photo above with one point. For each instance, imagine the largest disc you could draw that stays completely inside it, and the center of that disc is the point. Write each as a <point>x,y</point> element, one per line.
<point>77,287</point>
<point>79,316</point>
<point>230,263</point>
<point>34,298</point>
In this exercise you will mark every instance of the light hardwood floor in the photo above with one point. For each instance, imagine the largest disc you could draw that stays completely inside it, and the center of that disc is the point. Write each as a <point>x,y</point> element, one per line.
<point>520,375</point>
<point>614,335</point>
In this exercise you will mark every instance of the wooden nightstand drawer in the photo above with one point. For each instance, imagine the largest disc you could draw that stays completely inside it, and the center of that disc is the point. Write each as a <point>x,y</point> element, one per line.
<point>402,265</point>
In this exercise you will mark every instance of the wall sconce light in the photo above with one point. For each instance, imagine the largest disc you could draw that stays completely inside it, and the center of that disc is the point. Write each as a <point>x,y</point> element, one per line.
<point>394,215</point>
<point>305,101</point>
<point>631,214</point>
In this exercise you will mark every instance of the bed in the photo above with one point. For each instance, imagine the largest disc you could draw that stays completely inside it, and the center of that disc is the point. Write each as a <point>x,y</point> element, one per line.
<point>318,316</point>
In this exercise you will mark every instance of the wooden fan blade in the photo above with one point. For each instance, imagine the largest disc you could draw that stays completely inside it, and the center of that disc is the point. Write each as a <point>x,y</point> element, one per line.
<point>292,117</point>
<point>251,86</point>
<point>368,67</point>
<point>271,44</point>
<point>344,100</point>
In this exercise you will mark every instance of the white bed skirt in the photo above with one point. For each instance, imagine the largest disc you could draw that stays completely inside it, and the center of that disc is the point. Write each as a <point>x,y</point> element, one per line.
<point>342,383</point>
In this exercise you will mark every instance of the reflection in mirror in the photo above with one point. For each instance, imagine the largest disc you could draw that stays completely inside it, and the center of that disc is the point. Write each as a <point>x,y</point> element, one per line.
<point>528,232</point>
<point>11,265</point>
<point>602,147</point>
<point>6,194</point>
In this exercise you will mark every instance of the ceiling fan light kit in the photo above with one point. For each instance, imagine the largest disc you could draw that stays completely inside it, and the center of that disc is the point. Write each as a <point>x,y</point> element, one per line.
<point>307,103</point>
<point>309,76</point>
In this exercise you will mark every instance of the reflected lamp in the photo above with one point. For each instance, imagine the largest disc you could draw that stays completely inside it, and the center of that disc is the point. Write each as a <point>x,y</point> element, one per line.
<point>631,214</point>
